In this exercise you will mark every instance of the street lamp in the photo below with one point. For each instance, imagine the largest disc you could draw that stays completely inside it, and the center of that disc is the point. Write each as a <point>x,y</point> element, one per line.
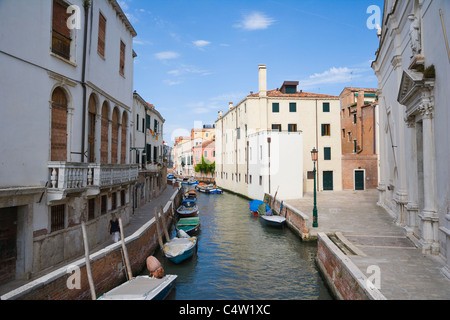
<point>314,153</point>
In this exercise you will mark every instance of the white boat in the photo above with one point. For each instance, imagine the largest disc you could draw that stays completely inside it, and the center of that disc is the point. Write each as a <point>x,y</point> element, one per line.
<point>142,288</point>
<point>274,221</point>
<point>180,248</point>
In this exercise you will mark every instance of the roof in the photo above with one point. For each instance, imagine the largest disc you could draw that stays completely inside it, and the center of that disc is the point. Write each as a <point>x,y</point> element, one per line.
<point>353,89</point>
<point>299,94</point>
<point>206,144</point>
<point>123,17</point>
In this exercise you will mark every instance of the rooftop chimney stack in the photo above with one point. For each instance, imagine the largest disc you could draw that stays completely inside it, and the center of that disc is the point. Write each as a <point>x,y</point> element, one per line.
<point>262,80</point>
<point>220,114</point>
<point>230,105</point>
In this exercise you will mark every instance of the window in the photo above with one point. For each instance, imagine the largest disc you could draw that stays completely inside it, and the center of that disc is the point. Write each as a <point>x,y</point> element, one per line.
<point>326,130</point>
<point>310,175</point>
<point>122,59</point>
<point>122,197</point>
<point>143,125</point>
<point>250,178</point>
<point>354,146</point>
<point>239,133</point>
<point>91,209</point>
<point>354,118</point>
<point>292,127</point>
<point>103,205</point>
<point>137,122</point>
<point>147,121</point>
<point>206,154</point>
<point>155,125</point>
<point>292,107</point>
<point>214,153</point>
<point>260,180</point>
<point>276,127</point>
<point>343,133</point>
<point>291,89</point>
<point>327,153</point>
<point>57,217</point>
<point>61,37</point>
<point>101,35</point>
<point>326,107</point>
<point>113,201</point>
<point>246,130</point>
<point>275,107</point>
<point>149,152</point>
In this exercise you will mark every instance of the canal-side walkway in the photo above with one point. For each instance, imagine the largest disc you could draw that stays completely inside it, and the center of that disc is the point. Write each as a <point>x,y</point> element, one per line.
<point>137,220</point>
<point>405,272</point>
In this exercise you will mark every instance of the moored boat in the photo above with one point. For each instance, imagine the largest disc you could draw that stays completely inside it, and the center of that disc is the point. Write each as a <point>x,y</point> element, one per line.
<point>180,248</point>
<point>189,225</point>
<point>142,288</point>
<point>208,189</point>
<point>188,209</point>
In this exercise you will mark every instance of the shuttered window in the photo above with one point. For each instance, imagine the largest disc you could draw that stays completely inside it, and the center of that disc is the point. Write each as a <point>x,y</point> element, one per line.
<point>292,127</point>
<point>326,107</point>
<point>101,35</point>
<point>326,130</point>
<point>276,127</point>
<point>147,121</point>
<point>61,37</point>
<point>122,58</point>
<point>275,107</point>
<point>292,107</point>
<point>327,153</point>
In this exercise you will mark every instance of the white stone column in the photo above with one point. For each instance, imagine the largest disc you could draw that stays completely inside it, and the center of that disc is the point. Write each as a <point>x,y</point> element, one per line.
<point>429,216</point>
<point>412,207</point>
<point>98,138</point>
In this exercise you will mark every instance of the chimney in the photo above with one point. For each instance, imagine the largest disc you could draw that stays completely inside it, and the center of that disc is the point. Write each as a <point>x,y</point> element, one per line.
<point>230,105</point>
<point>262,80</point>
<point>360,99</point>
<point>220,114</point>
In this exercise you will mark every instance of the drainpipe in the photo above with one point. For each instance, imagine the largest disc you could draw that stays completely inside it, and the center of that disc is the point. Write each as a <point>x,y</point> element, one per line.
<point>269,140</point>
<point>86,5</point>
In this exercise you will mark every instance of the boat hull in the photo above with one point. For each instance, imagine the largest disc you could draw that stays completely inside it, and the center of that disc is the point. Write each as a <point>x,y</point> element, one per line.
<point>142,288</point>
<point>274,221</point>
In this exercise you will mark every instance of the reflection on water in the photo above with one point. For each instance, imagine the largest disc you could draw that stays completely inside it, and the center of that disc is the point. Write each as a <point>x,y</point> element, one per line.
<point>239,258</point>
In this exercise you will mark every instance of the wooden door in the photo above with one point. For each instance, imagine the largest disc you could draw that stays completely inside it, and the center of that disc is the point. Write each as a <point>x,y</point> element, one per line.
<point>359,180</point>
<point>327,180</point>
<point>8,241</point>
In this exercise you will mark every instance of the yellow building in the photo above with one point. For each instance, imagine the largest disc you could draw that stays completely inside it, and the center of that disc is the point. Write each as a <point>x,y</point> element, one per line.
<point>285,110</point>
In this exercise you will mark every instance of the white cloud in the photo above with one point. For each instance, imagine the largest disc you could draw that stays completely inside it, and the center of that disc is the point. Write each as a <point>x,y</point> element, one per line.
<point>255,21</point>
<point>186,69</point>
<point>165,55</point>
<point>332,76</point>
<point>171,82</point>
<point>201,43</point>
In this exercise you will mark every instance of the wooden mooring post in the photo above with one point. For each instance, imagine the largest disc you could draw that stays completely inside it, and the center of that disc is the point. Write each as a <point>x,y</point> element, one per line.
<point>158,230</point>
<point>166,233</point>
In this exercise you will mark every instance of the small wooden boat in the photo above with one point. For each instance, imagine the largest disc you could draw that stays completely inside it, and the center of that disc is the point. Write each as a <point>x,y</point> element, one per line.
<point>170,176</point>
<point>189,181</point>
<point>208,189</point>
<point>191,194</point>
<point>189,225</point>
<point>142,288</point>
<point>274,221</point>
<point>188,209</point>
<point>180,248</point>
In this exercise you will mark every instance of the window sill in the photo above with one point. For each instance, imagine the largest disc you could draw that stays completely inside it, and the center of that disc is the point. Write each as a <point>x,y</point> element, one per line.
<point>73,64</point>
<point>102,57</point>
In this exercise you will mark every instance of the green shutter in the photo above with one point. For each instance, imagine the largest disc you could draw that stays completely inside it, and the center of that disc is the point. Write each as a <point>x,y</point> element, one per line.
<point>275,107</point>
<point>327,153</point>
<point>326,107</point>
<point>292,107</point>
<point>323,129</point>
<point>147,121</point>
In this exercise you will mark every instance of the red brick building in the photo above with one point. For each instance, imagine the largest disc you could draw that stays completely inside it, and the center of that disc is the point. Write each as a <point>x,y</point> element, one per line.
<point>359,132</point>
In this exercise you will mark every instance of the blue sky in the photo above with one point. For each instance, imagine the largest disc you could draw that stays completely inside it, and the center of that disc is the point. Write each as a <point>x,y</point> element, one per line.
<point>196,56</point>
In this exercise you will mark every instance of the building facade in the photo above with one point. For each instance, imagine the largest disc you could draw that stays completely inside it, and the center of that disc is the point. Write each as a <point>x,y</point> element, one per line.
<point>147,151</point>
<point>413,67</point>
<point>285,109</point>
<point>67,157</point>
<point>359,138</point>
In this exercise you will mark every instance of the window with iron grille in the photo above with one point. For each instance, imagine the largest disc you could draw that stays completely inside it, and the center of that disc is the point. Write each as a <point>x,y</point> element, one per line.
<point>57,217</point>
<point>91,209</point>
<point>104,201</point>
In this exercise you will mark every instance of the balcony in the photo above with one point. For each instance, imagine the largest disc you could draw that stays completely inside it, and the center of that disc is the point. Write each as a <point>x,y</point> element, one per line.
<point>67,177</point>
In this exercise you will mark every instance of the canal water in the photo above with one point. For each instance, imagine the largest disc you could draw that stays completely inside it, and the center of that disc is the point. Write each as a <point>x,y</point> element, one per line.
<point>240,258</point>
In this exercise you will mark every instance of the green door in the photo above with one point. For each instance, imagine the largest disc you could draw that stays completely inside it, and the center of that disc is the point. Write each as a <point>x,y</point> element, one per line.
<point>359,180</point>
<point>327,180</point>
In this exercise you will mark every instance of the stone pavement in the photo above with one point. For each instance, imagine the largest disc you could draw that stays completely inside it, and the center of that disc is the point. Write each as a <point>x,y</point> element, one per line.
<point>406,273</point>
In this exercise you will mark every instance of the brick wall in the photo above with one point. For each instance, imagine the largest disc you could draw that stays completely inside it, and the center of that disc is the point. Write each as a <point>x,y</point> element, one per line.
<point>369,163</point>
<point>344,279</point>
<point>106,267</point>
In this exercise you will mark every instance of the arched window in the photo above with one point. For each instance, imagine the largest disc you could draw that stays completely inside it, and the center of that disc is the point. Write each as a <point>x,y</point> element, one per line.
<point>59,126</point>
<point>115,136</point>
<point>104,133</point>
<point>123,147</point>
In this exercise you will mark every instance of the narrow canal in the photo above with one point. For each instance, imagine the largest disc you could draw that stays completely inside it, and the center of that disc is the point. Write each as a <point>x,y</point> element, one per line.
<point>240,258</point>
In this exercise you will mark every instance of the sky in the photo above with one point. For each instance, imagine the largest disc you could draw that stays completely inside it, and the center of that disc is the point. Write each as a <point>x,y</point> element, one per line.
<point>196,56</point>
